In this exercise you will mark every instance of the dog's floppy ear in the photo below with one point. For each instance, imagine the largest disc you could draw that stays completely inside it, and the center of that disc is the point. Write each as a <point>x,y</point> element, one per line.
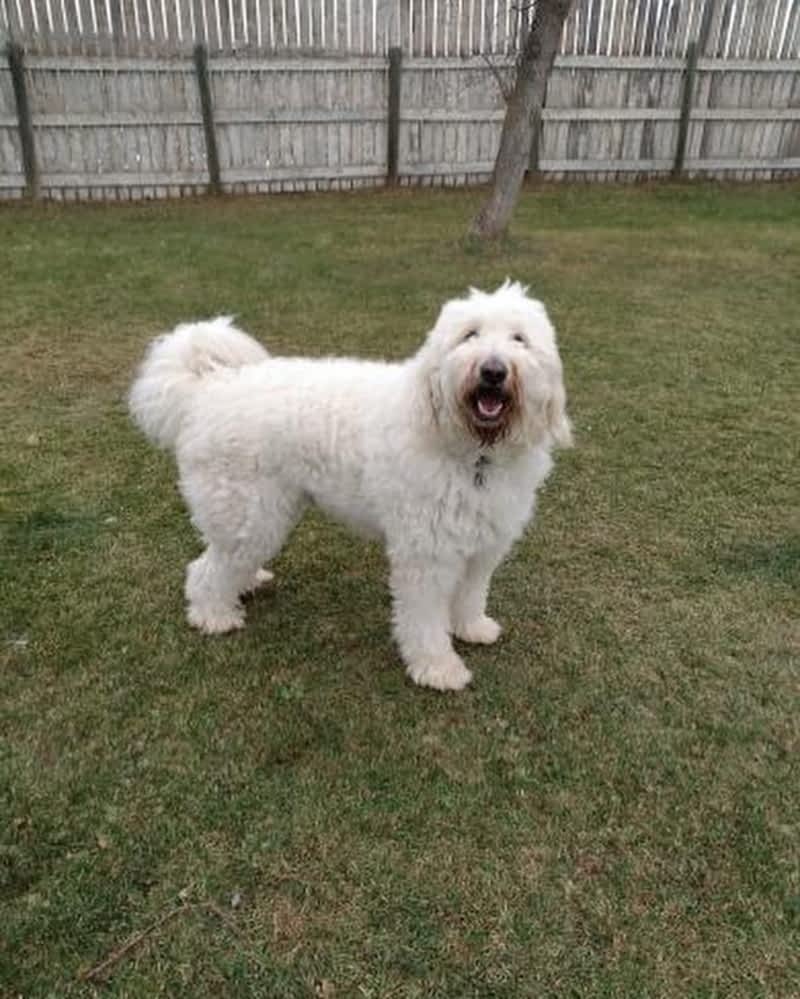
<point>558,423</point>
<point>428,360</point>
<point>429,392</point>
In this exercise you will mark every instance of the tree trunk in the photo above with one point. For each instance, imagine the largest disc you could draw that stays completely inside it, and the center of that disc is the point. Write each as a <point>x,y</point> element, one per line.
<point>523,113</point>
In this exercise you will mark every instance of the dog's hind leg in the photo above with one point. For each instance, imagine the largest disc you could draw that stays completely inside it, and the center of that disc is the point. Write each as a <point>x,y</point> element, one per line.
<point>232,563</point>
<point>214,583</point>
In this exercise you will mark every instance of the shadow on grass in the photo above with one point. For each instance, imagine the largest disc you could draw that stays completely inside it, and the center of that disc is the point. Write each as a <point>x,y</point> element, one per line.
<point>776,562</point>
<point>44,531</point>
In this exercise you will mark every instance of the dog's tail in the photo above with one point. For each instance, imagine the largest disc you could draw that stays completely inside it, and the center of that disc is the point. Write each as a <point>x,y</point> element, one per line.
<point>174,368</point>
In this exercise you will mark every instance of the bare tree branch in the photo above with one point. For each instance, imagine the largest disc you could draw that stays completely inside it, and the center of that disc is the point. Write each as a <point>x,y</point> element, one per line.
<point>503,85</point>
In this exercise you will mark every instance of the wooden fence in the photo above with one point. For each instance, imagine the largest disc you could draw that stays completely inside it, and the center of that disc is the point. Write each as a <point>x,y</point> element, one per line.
<point>147,98</point>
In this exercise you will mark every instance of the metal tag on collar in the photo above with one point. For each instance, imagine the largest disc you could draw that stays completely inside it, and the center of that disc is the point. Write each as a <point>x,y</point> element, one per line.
<point>481,464</point>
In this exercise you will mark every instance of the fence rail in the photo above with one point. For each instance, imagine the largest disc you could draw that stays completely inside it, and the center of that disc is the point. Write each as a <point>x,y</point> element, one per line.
<point>739,29</point>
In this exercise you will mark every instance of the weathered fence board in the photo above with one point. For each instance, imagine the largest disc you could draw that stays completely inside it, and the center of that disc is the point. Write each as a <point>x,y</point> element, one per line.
<point>300,123</point>
<point>112,124</point>
<point>12,172</point>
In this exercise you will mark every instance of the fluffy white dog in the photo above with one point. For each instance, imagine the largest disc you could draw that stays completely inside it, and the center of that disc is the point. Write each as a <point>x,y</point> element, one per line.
<point>440,456</point>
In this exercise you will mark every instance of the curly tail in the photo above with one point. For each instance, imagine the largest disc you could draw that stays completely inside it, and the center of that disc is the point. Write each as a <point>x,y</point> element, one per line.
<point>174,367</point>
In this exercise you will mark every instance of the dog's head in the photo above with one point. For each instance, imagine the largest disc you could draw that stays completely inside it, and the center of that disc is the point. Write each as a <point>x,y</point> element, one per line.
<point>491,369</point>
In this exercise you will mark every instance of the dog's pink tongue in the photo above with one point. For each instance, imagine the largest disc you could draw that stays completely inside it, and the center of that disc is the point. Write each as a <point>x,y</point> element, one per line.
<point>489,407</point>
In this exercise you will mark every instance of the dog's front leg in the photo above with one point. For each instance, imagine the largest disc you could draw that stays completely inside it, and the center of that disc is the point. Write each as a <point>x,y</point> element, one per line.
<point>470,622</point>
<point>422,593</point>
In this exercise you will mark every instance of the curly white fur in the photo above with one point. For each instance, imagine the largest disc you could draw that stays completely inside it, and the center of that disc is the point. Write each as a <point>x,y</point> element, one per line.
<point>440,456</point>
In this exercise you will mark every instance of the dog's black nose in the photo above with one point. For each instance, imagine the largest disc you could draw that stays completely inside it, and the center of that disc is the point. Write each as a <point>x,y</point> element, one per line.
<point>493,371</point>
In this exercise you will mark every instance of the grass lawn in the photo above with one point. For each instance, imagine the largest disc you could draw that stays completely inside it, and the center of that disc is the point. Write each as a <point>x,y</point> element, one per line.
<point>612,810</point>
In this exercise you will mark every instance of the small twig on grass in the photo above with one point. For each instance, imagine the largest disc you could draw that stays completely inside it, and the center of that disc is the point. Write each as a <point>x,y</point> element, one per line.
<point>222,916</point>
<point>99,970</point>
<point>116,955</point>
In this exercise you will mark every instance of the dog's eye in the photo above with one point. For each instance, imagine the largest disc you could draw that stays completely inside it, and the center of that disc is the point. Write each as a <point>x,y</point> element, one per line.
<point>469,336</point>
<point>519,338</point>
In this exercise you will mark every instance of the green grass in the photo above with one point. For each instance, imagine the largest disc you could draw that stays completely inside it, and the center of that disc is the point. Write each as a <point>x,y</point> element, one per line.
<point>612,810</point>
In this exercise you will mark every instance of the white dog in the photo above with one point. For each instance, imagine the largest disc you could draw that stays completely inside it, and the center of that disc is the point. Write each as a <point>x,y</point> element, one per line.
<point>440,456</point>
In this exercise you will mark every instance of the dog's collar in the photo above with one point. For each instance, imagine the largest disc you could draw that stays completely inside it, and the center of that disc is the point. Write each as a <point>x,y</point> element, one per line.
<point>482,463</point>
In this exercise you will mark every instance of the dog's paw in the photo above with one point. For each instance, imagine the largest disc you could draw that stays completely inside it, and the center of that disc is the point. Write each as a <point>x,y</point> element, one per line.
<point>215,622</point>
<point>446,672</point>
<point>483,631</point>
<point>261,577</point>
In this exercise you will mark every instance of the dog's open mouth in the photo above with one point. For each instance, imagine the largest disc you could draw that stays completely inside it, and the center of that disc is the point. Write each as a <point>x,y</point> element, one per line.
<point>489,405</point>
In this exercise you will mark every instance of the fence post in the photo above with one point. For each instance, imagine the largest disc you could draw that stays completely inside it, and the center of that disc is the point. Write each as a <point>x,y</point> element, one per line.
<point>686,108</point>
<point>536,141</point>
<point>693,51</point>
<point>16,63</point>
<point>207,108</point>
<point>393,117</point>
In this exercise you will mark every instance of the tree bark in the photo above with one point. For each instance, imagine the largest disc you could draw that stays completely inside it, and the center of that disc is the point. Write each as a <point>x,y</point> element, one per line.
<point>523,113</point>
